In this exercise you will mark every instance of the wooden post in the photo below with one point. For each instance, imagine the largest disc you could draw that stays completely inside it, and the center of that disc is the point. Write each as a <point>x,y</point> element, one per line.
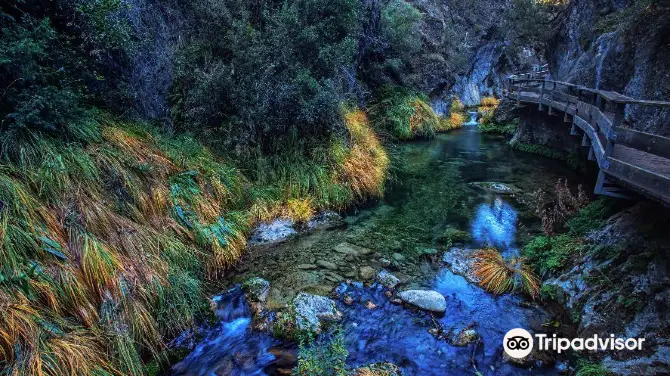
<point>541,95</point>
<point>611,137</point>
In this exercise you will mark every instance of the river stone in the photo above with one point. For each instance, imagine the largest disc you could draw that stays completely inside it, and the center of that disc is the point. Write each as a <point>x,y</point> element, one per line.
<point>307,267</point>
<point>256,289</point>
<point>351,249</point>
<point>326,264</point>
<point>366,273</point>
<point>273,232</point>
<point>427,300</point>
<point>387,279</point>
<point>398,257</point>
<point>311,310</point>
<point>464,337</point>
<point>325,220</point>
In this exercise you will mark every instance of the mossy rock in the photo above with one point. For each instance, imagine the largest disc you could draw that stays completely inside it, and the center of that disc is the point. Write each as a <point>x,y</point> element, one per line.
<point>452,235</point>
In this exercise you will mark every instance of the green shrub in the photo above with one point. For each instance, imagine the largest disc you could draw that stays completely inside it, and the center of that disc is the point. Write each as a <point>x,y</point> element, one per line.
<point>325,356</point>
<point>404,114</point>
<point>551,254</point>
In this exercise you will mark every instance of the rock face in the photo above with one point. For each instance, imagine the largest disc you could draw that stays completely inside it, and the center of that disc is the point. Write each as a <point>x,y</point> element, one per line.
<point>428,300</point>
<point>310,310</point>
<point>537,128</point>
<point>626,291</point>
<point>630,58</point>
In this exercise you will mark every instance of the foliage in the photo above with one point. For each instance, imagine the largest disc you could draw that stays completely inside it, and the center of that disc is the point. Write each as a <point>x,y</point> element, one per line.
<point>571,160</point>
<point>499,275</point>
<point>48,72</point>
<point>555,214</point>
<point>404,114</point>
<point>532,23</point>
<point>591,369</point>
<point>552,254</point>
<point>591,216</point>
<point>324,356</point>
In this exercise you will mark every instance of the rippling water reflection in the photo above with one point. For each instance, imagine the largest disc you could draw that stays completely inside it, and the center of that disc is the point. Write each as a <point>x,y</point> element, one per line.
<point>495,224</point>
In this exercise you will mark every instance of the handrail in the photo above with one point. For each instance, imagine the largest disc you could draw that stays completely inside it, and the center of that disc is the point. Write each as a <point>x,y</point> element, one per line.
<point>609,96</point>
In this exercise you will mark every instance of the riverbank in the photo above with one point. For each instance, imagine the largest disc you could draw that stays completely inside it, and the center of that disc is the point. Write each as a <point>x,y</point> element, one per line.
<point>430,207</point>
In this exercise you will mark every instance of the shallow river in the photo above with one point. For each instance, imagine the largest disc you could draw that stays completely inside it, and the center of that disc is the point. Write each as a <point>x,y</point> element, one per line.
<point>430,206</point>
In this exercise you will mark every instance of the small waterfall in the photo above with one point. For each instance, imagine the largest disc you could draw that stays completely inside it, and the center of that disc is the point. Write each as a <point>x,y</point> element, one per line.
<point>604,45</point>
<point>232,348</point>
<point>473,118</point>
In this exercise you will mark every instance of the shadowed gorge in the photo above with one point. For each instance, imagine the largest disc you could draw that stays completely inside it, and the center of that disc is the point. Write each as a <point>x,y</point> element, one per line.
<point>332,187</point>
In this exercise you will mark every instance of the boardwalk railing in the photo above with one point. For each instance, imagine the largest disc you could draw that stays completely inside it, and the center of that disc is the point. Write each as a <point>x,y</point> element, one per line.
<point>627,158</point>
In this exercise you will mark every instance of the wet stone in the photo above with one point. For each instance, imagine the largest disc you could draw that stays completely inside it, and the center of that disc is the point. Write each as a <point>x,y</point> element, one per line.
<point>387,279</point>
<point>366,273</point>
<point>398,257</point>
<point>307,267</point>
<point>427,300</point>
<point>326,264</point>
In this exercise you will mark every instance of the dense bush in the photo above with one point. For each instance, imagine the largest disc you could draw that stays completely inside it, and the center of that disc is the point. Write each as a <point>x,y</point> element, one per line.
<point>53,65</point>
<point>404,114</point>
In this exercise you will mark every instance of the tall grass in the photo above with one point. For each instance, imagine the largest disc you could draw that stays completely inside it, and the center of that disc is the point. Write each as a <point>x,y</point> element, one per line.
<point>105,245</point>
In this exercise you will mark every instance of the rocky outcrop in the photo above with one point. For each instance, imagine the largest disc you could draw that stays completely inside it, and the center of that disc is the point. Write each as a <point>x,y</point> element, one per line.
<point>595,48</point>
<point>623,288</point>
<point>538,128</point>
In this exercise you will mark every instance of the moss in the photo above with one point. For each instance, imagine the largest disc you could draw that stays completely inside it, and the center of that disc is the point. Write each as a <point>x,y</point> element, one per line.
<point>586,368</point>
<point>571,160</point>
<point>592,216</point>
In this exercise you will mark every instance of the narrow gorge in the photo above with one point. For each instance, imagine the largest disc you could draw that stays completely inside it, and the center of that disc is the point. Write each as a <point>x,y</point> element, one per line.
<point>334,187</point>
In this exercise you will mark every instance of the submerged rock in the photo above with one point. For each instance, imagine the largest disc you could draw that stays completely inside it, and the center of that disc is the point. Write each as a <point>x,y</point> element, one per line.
<point>387,279</point>
<point>326,264</point>
<point>460,261</point>
<point>310,310</point>
<point>464,337</point>
<point>424,299</point>
<point>495,187</point>
<point>377,369</point>
<point>351,249</point>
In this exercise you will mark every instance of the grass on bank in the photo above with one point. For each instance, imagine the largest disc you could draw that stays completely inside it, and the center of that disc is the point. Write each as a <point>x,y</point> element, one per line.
<point>106,244</point>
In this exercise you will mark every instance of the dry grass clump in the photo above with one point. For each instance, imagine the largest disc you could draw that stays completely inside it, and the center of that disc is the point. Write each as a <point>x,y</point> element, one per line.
<point>498,275</point>
<point>554,213</point>
<point>364,166</point>
<point>490,102</point>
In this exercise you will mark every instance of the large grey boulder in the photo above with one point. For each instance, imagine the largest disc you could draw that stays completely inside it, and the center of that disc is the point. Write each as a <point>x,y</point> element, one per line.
<point>428,300</point>
<point>311,310</point>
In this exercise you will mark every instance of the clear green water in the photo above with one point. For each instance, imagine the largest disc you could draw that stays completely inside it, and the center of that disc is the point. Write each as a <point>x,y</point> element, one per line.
<point>431,204</point>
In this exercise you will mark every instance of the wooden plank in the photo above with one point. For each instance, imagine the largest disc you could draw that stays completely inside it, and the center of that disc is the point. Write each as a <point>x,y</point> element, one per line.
<point>657,145</point>
<point>646,181</point>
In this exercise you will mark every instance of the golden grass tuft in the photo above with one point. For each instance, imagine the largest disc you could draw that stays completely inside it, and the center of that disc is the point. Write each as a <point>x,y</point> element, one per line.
<point>490,102</point>
<point>365,165</point>
<point>498,275</point>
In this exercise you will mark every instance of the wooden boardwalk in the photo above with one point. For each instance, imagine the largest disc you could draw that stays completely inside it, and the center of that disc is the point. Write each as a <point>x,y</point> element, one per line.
<point>629,160</point>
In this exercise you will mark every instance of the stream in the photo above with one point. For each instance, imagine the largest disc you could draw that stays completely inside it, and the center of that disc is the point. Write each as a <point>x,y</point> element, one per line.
<point>442,197</point>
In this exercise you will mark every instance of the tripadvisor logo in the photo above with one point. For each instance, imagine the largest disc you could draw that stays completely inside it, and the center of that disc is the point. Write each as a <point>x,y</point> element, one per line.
<point>518,343</point>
